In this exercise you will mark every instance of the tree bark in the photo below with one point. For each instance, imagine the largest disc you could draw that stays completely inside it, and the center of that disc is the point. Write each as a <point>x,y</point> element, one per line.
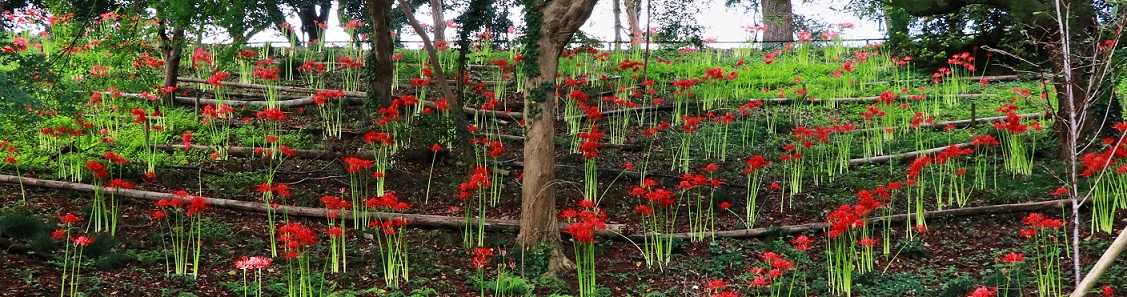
<point>558,22</point>
<point>380,66</point>
<point>633,9</point>
<point>779,19</point>
<point>172,47</point>
<point>436,11</point>
<point>617,11</point>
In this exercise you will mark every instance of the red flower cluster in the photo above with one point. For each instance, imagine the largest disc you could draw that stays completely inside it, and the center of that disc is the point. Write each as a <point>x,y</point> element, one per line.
<point>982,291</point>
<point>481,256</point>
<point>271,114</point>
<point>98,169</point>
<point>777,266</point>
<point>389,201</point>
<point>312,67</point>
<point>321,97</point>
<point>296,238</point>
<point>216,79</point>
<point>278,190</point>
<point>584,223</point>
<point>354,165</point>
<point>690,180</point>
<point>963,59</point>
<point>388,226</point>
<point>381,138</point>
<point>479,179</point>
<point>266,70</point>
<point>181,200</point>
<point>755,163</point>
<point>1012,257</point>
<point>655,195</point>
<point>348,62</point>
<point>1037,222</point>
<point>590,141</point>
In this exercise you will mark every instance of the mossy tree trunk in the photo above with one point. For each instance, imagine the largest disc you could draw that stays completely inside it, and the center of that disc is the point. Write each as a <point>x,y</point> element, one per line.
<point>550,25</point>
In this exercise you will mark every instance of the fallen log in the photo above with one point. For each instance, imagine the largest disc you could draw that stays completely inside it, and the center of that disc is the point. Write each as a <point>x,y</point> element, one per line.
<point>886,158</point>
<point>821,226</point>
<point>243,151</point>
<point>418,220</point>
<point>775,101</point>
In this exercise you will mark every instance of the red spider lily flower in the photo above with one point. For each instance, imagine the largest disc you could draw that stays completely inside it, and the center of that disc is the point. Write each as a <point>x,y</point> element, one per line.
<point>355,165</point>
<point>216,79</point>
<point>886,97</point>
<point>801,242</point>
<point>715,284</point>
<point>312,67</point>
<point>1040,221</point>
<point>115,158</point>
<point>1108,291</point>
<point>586,203</point>
<point>69,218</point>
<point>269,73</point>
<point>382,138</point>
<point>98,169</point>
<point>980,140</point>
<point>201,56</point>
<point>248,54</point>
<point>755,163</point>
<point>711,167</point>
<point>481,256</point>
<point>725,205</point>
<point>196,205</point>
<point>83,240</point>
<point>118,183</point>
<point>139,116</point>
<point>157,215</point>
<point>1012,257</point>
<point>867,242</point>
<point>435,147</point>
<point>628,166</point>
<point>643,210</point>
<point>335,231</point>
<point>590,142</point>
<point>271,114</point>
<point>58,234</point>
<point>1027,232</point>
<point>760,282</point>
<point>775,186</point>
<point>983,292</point>
<point>295,238</point>
<point>281,190</point>
<point>1061,191</point>
<point>186,140</point>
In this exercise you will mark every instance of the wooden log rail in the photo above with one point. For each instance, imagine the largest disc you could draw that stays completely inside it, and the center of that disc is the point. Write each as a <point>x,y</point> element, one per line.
<point>613,230</point>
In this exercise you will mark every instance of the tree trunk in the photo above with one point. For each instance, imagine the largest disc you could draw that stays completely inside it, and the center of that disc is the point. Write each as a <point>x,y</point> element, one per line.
<point>617,11</point>
<point>172,49</point>
<point>308,16</point>
<point>633,9</point>
<point>461,134</point>
<point>380,66</point>
<point>557,21</point>
<point>779,19</point>
<point>436,11</point>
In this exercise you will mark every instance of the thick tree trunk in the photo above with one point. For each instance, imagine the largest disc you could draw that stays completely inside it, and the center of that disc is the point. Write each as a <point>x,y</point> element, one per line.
<point>633,9</point>
<point>380,66</point>
<point>308,16</point>
<point>559,20</point>
<point>436,11</point>
<point>779,19</point>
